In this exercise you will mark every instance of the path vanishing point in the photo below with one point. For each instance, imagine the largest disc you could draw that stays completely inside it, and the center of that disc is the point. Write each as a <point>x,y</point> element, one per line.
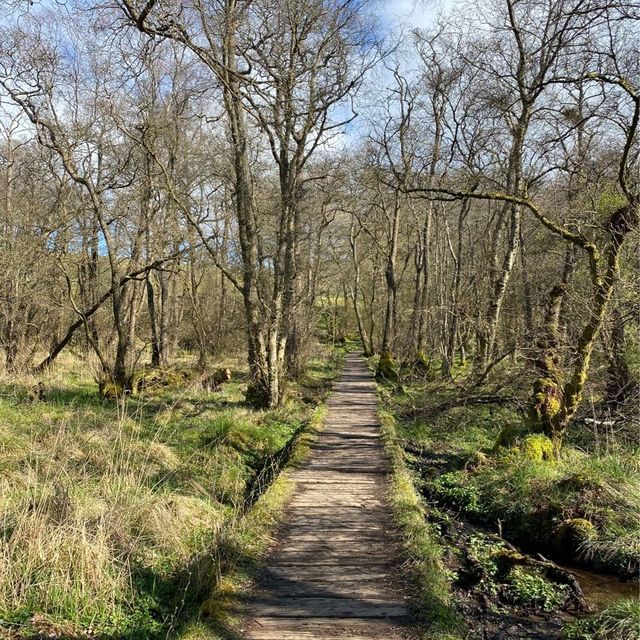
<point>333,572</point>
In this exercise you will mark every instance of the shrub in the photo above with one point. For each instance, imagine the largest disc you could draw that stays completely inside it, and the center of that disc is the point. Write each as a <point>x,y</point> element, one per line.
<point>530,588</point>
<point>455,489</point>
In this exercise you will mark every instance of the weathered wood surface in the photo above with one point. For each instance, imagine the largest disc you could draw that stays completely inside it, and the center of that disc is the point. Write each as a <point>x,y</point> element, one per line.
<point>334,571</point>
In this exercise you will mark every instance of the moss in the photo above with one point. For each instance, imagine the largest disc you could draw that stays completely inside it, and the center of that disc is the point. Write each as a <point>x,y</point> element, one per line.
<point>546,402</point>
<point>109,390</point>
<point>137,381</point>
<point>537,448</point>
<point>505,560</point>
<point>571,535</point>
<point>387,368</point>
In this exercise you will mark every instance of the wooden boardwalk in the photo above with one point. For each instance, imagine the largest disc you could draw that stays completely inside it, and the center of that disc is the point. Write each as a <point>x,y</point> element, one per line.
<point>332,573</point>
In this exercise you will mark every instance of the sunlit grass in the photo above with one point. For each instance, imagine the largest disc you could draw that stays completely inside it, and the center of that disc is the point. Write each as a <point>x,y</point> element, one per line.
<point>115,516</point>
<point>421,547</point>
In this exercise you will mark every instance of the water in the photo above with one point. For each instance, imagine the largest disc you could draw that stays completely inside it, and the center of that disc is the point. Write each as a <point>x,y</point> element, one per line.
<point>602,590</point>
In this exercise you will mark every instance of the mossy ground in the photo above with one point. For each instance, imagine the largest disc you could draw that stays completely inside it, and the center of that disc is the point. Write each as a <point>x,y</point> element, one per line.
<point>117,517</point>
<point>522,485</point>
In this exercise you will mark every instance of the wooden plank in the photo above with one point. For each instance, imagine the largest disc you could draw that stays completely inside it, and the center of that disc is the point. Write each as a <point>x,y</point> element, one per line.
<point>328,608</point>
<point>333,572</point>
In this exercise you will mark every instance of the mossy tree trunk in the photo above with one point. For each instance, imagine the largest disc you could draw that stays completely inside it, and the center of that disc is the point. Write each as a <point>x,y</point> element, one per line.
<point>557,396</point>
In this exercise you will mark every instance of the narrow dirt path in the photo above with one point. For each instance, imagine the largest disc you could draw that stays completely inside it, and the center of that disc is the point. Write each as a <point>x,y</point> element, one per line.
<point>332,573</point>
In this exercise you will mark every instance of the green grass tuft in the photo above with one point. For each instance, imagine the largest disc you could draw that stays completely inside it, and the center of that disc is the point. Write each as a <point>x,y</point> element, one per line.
<point>421,549</point>
<point>620,621</point>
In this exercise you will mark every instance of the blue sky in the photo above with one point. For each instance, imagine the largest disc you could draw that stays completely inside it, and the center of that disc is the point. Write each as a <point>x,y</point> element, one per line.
<point>398,15</point>
<point>412,13</point>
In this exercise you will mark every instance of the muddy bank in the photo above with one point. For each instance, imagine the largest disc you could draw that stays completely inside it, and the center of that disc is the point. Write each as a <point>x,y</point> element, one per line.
<point>505,593</point>
<point>484,596</point>
<point>487,601</point>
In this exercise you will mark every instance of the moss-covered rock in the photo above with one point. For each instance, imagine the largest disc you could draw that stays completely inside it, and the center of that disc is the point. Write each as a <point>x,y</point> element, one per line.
<point>387,368</point>
<point>571,535</point>
<point>537,448</point>
<point>512,435</point>
<point>160,378</point>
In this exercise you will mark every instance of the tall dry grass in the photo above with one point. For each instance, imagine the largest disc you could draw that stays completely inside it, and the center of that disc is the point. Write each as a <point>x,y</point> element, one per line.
<point>85,510</point>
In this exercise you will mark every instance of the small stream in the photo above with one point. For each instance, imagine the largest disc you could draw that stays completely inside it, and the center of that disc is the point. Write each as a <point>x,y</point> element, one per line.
<point>602,590</point>
<point>496,619</point>
<point>521,623</point>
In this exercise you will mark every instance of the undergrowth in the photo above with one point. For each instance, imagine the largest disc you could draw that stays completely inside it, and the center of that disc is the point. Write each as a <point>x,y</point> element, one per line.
<point>620,621</point>
<point>581,508</point>
<point>117,517</point>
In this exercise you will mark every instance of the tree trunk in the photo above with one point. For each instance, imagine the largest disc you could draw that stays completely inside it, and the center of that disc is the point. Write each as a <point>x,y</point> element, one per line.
<point>621,384</point>
<point>153,321</point>
<point>389,330</point>
<point>555,402</point>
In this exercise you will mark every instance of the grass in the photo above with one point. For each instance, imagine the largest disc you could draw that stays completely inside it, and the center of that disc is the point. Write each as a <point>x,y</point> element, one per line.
<point>620,621</point>
<point>421,549</point>
<point>116,519</point>
<point>246,543</point>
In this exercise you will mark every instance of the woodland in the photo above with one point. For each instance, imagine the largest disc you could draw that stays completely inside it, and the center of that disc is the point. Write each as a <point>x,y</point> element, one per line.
<point>205,205</point>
